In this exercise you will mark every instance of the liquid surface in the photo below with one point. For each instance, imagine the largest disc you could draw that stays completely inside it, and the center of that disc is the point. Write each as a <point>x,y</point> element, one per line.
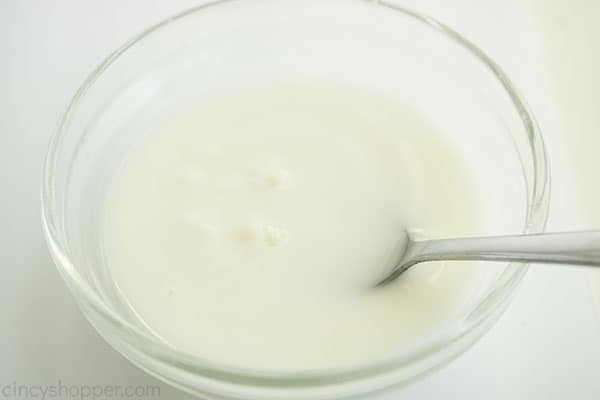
<point>250,229</point>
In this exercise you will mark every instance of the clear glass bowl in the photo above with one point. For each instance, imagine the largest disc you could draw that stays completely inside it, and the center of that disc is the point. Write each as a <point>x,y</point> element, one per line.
<point>224,43</point>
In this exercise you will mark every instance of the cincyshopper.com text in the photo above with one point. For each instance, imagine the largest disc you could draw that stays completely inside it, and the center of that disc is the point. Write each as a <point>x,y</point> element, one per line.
<point>62,390</point>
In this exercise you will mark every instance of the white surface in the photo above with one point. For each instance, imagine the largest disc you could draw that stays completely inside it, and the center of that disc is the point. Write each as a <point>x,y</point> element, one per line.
<point>547,345</point>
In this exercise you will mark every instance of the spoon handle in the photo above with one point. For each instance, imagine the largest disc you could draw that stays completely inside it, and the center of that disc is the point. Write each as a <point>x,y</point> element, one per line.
<point>578,248</point>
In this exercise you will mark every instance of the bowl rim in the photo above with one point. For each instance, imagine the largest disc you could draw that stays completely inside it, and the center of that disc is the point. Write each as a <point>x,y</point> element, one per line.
<point>536,216</point>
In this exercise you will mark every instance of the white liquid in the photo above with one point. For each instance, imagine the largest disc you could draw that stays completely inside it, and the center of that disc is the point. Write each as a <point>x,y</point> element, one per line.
<point>250,230</point>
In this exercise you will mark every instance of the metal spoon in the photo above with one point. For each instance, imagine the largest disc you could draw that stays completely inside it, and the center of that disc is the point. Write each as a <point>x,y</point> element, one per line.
<point>577,248</point>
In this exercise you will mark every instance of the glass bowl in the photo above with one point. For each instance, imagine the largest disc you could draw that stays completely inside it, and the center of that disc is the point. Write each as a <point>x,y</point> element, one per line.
<point>225,43</point>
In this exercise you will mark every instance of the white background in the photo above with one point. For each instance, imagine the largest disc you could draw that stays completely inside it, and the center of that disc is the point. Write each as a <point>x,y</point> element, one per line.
<point>546,346</point>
